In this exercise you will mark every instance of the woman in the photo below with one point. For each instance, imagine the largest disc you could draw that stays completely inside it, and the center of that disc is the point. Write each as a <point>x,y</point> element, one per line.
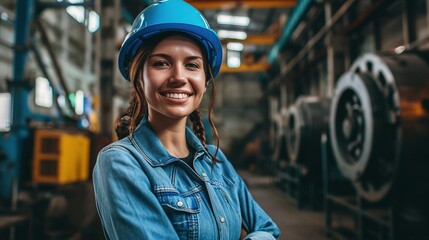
<point>161,180</point>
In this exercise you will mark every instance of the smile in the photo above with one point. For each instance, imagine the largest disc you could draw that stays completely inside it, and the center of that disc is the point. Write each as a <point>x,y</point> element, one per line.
<point>176,95</point>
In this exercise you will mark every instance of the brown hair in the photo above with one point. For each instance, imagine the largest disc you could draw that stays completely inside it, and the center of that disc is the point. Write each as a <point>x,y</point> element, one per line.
<point>128,120</point>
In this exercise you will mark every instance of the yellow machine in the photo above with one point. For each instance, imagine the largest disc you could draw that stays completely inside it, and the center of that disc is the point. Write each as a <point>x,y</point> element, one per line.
<point>60,156</point>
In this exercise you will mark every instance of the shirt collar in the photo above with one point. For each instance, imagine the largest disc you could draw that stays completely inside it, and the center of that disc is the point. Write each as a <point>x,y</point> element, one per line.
<point>148,144</point>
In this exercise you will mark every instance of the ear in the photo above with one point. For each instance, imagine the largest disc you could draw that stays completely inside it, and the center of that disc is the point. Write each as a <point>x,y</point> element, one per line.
<point>209,83</point>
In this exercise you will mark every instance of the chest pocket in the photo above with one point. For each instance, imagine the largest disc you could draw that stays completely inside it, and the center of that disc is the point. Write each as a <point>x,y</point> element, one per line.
<point>182,211</point>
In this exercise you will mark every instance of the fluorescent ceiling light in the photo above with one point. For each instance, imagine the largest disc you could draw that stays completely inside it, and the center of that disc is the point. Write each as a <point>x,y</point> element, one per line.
<point>5,112</point>
<point>233,60</point>
<point>77,13</point>
<point>233,20</point>
<point>4,16</point>
<point>93,21</point>
<point>232,34</point>
<point>79,102</point>
<point>235,46</point>
<point>43,93</point>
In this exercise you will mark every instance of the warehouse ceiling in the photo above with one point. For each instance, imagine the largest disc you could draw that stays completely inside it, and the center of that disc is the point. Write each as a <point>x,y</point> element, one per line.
<point>266,21</point>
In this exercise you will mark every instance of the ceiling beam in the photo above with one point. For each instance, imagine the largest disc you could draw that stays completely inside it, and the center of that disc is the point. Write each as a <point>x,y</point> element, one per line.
<point>254,67</point>
<point>227,4</point>
<point>261,39</point>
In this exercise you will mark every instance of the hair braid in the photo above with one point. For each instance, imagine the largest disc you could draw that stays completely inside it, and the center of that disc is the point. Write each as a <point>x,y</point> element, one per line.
<point>122,125</point>
<point>198,126</point>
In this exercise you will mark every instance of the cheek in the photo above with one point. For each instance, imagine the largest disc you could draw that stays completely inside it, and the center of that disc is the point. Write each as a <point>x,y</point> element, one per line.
<point>151,83</point>
<point>201,83</point>
<point>149,92</point>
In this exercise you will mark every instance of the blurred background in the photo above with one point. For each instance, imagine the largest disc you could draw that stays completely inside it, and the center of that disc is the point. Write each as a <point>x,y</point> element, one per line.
<point>322,106</point>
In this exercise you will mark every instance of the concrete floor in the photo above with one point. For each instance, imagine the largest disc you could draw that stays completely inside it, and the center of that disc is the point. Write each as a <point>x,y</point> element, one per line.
<point>295,224</point>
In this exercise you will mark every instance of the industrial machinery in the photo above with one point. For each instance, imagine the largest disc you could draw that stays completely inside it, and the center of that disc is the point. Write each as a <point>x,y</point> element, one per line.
<point>277,136</point>
<point>38,185</point>
<point>380,140</point>
<point>60,156</point>
<point>379,124</point>
<point>276,132</point>
<point>306,120</point>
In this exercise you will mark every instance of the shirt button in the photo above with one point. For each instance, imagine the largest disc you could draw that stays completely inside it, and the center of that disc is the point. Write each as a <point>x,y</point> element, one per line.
<point>222,220</point>
<point>204,174</point>
<point>179,203</point>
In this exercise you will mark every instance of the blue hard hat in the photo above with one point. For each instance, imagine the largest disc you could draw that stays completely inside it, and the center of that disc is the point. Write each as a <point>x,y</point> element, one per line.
<point>170,16</point>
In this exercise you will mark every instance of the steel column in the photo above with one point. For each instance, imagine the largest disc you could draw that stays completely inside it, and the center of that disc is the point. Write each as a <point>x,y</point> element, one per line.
<point>330,61</point>
<point>110,11</point>
<point>12,143</point>
<point>408,23</point>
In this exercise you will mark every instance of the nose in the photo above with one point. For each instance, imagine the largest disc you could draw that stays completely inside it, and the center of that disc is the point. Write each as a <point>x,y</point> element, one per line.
<point>178,75</point>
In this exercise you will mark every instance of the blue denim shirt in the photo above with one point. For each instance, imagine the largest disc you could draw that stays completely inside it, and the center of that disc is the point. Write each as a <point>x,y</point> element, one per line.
<point>142,192</point>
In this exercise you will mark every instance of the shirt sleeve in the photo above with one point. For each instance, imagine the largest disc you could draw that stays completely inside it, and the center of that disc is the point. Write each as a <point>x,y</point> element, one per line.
<point>256,221</point>
<point>127,207</point>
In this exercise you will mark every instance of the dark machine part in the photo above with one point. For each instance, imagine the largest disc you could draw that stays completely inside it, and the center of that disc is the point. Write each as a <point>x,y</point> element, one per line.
<point>379,126</point>
<point>275,136</point>
<point>2,155</point>
<point>276,129</point>
<point>71,214</point>
<point>306,120</point>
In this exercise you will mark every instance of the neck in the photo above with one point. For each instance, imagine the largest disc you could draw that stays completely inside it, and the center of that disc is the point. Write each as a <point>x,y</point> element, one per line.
<point>172,134</point>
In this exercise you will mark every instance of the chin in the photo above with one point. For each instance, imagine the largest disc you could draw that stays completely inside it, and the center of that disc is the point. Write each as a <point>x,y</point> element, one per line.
<point>179,115</point>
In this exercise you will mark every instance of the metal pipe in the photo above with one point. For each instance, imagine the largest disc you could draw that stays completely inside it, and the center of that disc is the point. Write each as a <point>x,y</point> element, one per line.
<point>322,32</point>
<point>110,11</point>
<point>20,109</point>
<point>296,16</point>
<point>45,72</point>
<point>6,44</point>
<point>10,14</point>
<point>41,5</point>
<point>57,67</point>
<point>365,15</point>
<point>97,71</point>
<point>330,53</point>
<point>405,24</point>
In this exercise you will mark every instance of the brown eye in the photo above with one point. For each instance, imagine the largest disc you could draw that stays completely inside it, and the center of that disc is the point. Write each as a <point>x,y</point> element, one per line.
<point>160,64</point>
<point>193,65</point>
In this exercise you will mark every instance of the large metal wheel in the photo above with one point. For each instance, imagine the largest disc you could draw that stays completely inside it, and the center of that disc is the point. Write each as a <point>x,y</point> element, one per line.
<point>376,106</point>
<point>306,120</point>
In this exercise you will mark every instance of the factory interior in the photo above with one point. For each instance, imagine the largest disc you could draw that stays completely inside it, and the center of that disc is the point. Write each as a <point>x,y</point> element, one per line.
<point>322,107</point>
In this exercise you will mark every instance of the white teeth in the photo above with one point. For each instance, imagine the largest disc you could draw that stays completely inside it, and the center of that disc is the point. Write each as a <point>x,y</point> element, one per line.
<point>177,95</point>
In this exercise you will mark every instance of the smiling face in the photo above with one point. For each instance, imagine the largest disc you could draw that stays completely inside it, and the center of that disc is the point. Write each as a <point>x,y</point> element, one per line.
<point>174,78</point>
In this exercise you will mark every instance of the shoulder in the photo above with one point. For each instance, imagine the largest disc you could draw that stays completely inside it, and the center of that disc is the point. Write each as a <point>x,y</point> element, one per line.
<point>123,144</point>
<point>118,152</point>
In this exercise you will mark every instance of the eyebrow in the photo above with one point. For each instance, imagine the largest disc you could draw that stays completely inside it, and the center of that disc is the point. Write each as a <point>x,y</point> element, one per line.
<point>163,55</point>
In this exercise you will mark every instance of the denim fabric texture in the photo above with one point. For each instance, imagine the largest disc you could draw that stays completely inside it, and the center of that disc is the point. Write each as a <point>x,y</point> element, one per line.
<point>142,192</point>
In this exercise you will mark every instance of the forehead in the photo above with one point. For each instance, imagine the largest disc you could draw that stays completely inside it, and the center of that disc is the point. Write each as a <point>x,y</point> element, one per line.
<point>178,43</point>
